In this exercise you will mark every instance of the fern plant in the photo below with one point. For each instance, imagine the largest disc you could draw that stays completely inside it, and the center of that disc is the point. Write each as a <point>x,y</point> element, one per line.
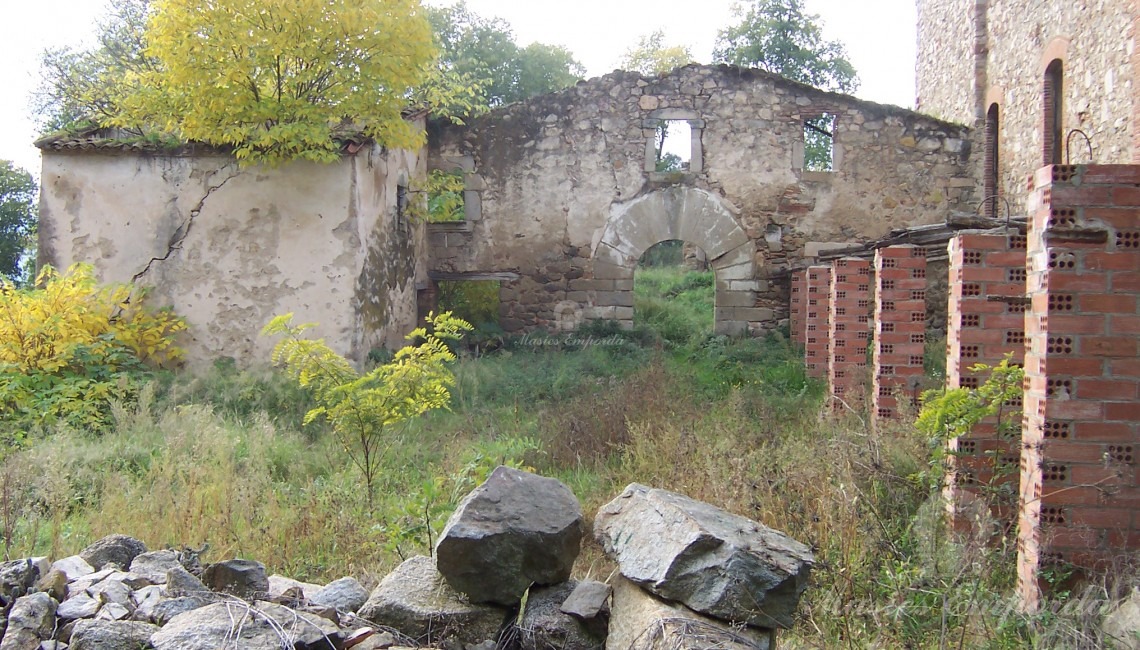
<point>360,408</point>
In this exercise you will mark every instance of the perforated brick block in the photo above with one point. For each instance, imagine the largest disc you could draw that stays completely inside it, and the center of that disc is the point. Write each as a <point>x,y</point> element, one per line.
<point>817,319</point>
<point>850,332</point>
<point>1081,426</point>
<point>899,330</point>
<point>797,314</point>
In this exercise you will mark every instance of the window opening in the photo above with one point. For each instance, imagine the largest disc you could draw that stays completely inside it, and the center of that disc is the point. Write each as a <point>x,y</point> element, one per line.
<point>1052,97</point>
<point>674,146</point>
<point>819,143</point>
<point>991,161</point>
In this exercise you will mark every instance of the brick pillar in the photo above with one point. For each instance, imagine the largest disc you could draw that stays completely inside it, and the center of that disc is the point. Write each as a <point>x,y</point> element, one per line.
<point>985,322</point>
<point>900,328</point>
<point>817,319</point>
<point>797,314</point>
<point>1079,498</point>
<point>850,330</point>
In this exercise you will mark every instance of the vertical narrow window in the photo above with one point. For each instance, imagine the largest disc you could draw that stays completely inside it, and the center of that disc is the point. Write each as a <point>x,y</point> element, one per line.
<point>992,164</point>
<point>819,143</point>
<point>674,146</point>
<point>1054,113</point>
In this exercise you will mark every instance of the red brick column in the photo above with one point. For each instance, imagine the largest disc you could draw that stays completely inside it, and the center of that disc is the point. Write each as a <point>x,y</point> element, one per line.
<point>797,315</point>
<point>1079,498</point>
<point>850,330</point>
<point>900,328</point>
<point>817,320</point>
<point>986,321</point>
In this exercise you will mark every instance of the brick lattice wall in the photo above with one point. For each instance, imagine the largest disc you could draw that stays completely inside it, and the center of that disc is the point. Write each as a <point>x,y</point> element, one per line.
<point>1080,502</point>
<point>817,323</point>
<point>850,331</point>
<point>900,328</point>
<point>986,321</point>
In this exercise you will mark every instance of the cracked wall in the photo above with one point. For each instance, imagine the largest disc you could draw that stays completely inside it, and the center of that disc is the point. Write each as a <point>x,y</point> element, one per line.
<point>551,174</point>
<point>228,249</point>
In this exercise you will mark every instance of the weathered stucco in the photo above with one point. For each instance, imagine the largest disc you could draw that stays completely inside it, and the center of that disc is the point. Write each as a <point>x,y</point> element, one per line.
<point>974,53</point>
<point>230,248</point>
<point>554,176</point>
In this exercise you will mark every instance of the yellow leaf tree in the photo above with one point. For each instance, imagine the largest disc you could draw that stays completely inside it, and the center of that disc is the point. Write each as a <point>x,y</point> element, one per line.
<point>277,79</point>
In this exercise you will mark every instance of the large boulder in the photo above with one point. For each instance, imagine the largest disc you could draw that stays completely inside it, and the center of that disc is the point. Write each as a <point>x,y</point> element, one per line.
<point>544,626</point>
<point>261,626</point>
<point>641,621</point>
<point>513,530</point>
<point>241,578</point>
<point>18,576</point>
<point>153,565</point>
<point>1122,625</point>
<point>119,550</point>
<point>714,562</point>
<point>111,635</point>
<point>416,600</point>
<point>31,620</point>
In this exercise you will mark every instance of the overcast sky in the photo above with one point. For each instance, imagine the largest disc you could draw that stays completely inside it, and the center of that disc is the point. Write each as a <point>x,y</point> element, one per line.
<point>879,35</point>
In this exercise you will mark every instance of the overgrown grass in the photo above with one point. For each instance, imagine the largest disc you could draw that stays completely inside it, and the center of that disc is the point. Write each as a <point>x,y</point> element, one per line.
<point>222,458</point>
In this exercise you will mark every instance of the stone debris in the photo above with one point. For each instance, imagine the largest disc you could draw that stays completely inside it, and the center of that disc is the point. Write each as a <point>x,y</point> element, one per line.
<point>514,530</point>
<point>714,562</point>
<point>161,605</point>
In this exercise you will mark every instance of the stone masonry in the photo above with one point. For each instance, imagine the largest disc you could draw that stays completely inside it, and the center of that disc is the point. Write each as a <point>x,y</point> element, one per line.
<point>562,190</point>
<point>1080,501</point>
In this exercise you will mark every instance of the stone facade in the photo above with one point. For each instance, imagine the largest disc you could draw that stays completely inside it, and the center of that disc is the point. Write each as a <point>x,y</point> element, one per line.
<point>562,190</point>
<point>974,54</point>
<point>230,248</point>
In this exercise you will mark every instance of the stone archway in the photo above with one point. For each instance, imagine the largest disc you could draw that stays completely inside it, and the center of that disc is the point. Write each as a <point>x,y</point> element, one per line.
<point>690,215</point>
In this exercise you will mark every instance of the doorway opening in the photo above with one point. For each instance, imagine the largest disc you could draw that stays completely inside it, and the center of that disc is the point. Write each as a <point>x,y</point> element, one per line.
<point>674,293</point>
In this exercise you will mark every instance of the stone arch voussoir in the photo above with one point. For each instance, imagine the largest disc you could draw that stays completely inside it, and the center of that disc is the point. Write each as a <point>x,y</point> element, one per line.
<point>690,215</point>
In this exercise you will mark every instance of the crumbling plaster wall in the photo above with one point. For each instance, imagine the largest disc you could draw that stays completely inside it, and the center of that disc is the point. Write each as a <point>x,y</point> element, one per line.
<point>551,173</point>
<point>960,76</point>
<point>230,248</point>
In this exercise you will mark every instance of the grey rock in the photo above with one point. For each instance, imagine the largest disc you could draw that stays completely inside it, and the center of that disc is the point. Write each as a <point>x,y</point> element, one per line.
<point>74,567</point>
<point>145,600</point>
<point>17,577</point>
<point>110,590</point>
<point>154,565</point>
<point>111,635</point>
<point>642,621</point>
<point>30,621</point>
<point>241,578</point>
<point>113,612</point>
<point>261,626</point>
<point>514,530</point>
<point>166,610</point>
<point>118,550</point>
<point>543,625</point>
<point>589,599</point>
<point>346,594</point>
<point>278,585</point>
<point>53,645</point>
<point>180,582</point>
<point>81,585</point>
<point>417,601</point>
<point>714,562</point>
<point>78,606</point>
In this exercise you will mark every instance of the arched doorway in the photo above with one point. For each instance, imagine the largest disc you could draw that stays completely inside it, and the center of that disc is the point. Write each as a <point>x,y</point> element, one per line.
<point>690,215</point>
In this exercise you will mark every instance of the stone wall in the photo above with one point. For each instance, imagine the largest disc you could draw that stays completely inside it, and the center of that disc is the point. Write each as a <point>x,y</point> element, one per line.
<point>562,192</point>
<point>230,248</point>
<point>1016,40</point>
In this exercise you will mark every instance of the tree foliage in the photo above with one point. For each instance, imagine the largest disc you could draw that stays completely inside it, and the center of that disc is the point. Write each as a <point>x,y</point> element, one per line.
<point>70,347</point>
<point>652,56</point>
<point>363,408</point>
<point>779,36</point>
<point>279,80</point>
<point>484,49</point>
<point>17,219</point>
<point>80,86</point>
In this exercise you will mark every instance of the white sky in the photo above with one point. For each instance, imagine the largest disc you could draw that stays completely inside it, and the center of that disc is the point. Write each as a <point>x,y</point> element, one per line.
<point>879,35</point>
